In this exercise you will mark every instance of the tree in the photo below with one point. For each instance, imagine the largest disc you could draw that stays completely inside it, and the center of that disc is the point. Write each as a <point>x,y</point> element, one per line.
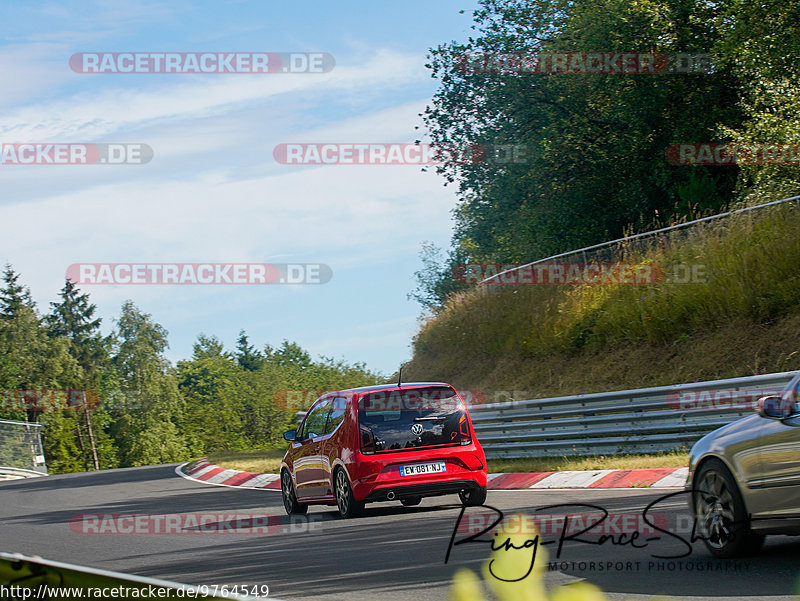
<point>210,384</point>
<point>13,296</point>
<point>248,357</point>
<point>209,347</point>
<point>230,407</point>
<point>588,159</point>
<point>437,278</point>
<point>234,400</point>
<point>31,360</point>
<point>288,354</point>
<point>72,319</point>
<point>760,44</point>
<point>149,420</point>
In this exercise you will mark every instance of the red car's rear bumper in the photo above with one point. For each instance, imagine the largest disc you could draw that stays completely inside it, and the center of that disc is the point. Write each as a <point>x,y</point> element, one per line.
<point>465,470</point>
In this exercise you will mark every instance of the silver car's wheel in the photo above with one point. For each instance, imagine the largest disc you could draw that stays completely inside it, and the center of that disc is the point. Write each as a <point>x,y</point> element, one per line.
<point>348,507</point>
<point>290,503</point>
<point>721,516</point>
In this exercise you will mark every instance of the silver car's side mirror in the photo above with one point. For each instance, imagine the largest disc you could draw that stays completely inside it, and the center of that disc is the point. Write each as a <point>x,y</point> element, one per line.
<point>773,407</point>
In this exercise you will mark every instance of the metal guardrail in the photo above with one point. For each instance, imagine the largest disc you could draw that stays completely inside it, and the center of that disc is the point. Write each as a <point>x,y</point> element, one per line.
<point>644,420</point>
<point>21,445</point>
<point>14,473</point>
<point>650,234</point>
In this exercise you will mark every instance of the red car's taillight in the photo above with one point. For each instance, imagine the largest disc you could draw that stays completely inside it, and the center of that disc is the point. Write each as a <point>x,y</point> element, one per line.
<point>367,441</point>
<point>463,429</point>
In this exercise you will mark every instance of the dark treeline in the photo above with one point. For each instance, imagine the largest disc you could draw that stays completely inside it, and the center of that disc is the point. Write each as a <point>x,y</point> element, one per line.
<point>143,409</point>
<point>595,144</point>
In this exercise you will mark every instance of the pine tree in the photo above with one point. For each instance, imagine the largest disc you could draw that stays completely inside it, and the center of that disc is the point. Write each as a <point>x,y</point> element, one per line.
<point>247,356</point>
<point>31,359</point>
<point>288,354</point>
<point>13,296</point>
<point>72,319</point>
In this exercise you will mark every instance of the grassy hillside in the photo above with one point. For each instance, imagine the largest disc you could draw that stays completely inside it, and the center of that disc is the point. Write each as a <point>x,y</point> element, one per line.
<point>740,316</point>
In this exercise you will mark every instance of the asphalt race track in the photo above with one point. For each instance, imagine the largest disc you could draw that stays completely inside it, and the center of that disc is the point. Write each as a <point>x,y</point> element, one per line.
<point>392,552</point>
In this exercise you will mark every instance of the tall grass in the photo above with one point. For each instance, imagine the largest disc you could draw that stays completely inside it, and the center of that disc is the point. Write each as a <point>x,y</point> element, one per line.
<point>750,268</point>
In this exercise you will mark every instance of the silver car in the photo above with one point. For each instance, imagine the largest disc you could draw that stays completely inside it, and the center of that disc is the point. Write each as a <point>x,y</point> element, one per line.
<point>744,478</point>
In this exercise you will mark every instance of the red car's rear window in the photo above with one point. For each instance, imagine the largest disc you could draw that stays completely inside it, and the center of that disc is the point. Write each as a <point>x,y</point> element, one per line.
<point>411,418</point>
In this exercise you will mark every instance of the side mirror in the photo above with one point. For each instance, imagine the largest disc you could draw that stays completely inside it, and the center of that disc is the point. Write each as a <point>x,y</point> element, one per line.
<point>773,407</point>
<point>290,435</point>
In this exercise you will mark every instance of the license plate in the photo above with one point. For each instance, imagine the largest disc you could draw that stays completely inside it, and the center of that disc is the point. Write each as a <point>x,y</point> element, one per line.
<point>417,469</point>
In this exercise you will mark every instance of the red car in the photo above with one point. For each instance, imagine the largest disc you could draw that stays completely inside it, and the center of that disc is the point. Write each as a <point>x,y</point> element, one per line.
<point>383,443</point>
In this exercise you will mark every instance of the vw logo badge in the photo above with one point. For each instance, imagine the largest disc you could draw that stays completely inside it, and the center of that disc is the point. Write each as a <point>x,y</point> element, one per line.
<point>416,429</point>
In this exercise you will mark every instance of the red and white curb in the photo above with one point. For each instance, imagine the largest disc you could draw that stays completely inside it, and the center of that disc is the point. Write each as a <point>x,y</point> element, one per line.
<point>666,477</point>
<point>208,473</point>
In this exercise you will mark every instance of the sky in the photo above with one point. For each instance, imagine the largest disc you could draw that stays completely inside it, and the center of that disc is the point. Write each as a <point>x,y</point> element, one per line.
<point>213,191</point>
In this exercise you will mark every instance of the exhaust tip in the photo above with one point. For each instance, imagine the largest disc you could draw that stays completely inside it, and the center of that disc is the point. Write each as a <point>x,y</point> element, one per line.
<point>390,495</point>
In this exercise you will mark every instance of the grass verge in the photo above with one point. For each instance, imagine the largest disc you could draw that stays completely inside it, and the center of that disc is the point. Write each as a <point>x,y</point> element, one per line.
<point>738,317</point>
<point>270,461</point>
<point>598,462</point>
<point>262,462</point>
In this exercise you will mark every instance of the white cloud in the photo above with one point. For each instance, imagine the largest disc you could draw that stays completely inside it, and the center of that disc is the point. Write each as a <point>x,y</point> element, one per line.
<point>31,70</point>
<point>88,115</point>
<point>214,193</point>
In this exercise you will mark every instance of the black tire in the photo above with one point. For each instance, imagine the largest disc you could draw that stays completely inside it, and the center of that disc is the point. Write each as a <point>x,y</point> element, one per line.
<point>473,496</point>
<point>290,503</point>
<point>720,514</point>
<point>411,501</point>
<point>347,505</point>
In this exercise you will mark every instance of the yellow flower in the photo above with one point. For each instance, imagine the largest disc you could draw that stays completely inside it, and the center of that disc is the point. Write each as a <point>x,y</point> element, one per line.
<point>466,586</point>
<point>515,571</point>
<point>578,591</point>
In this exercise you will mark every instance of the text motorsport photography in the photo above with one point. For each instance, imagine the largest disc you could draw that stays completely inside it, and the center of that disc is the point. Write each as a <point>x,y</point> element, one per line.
<point>658,541</point>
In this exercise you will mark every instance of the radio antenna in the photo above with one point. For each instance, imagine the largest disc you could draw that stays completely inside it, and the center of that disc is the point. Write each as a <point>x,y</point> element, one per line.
<point>399,376</point>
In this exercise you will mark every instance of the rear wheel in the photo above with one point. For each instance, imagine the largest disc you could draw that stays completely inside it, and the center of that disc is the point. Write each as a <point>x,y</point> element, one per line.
<point>348,506</point>
<point>410,501</point>
<point>290,503</point>
<point>721,516</point>
<point>473,496</point>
